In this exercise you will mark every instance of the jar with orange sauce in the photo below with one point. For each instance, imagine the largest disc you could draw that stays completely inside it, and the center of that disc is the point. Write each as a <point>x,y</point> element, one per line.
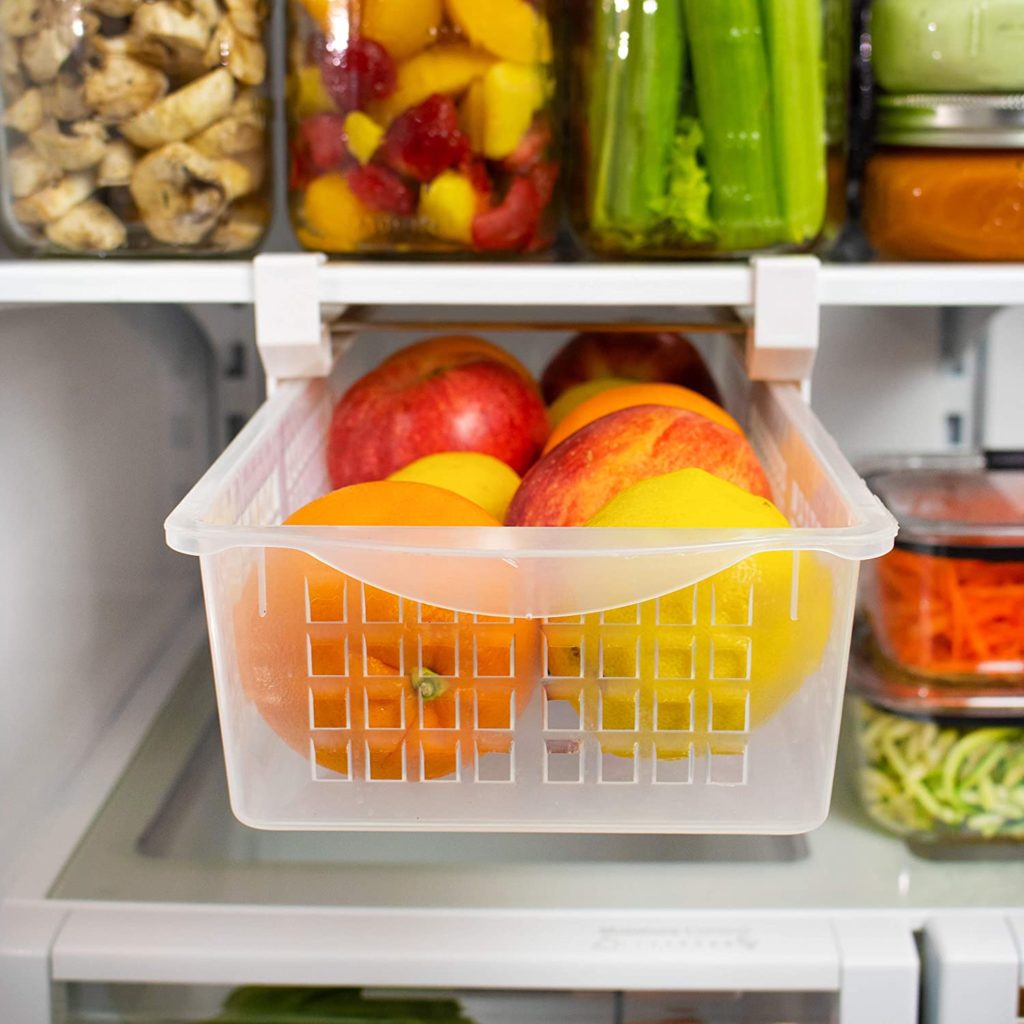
<point>946,180</point>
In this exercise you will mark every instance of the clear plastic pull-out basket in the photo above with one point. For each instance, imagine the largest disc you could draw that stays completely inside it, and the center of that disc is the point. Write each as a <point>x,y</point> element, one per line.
<point>571,680</point>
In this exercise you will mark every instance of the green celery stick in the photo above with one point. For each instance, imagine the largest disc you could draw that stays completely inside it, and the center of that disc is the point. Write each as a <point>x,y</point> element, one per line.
<point>730,77</point>
<point>611,21</point>
<point>634,105</point>
<point>793,30</point>
<point>651,108</point>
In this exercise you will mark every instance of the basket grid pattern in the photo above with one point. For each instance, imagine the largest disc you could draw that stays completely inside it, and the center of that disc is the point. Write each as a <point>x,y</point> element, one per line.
<point>629,695</point>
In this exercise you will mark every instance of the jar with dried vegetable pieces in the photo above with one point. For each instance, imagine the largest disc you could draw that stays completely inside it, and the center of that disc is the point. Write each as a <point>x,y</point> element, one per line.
<point>422,126</point>
<point>135,127</point>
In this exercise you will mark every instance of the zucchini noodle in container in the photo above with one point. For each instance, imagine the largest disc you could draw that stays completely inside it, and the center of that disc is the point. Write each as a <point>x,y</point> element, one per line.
<point>937,762</point>
<point>710,127</point>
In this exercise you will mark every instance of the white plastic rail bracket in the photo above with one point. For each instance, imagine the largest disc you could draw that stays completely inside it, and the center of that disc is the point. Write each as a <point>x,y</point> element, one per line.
<point>292,338</point>
<point>971,970</point>
<point>881,972</point>
<point>783,342</point>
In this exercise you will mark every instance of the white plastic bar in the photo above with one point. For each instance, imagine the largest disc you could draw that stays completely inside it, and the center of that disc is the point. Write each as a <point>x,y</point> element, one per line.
<point>156,281</point>
<point>971,971</point>
<point>923,284</point>
<point>583,284</point>
<point>880,971</point>
<point>447,948</point>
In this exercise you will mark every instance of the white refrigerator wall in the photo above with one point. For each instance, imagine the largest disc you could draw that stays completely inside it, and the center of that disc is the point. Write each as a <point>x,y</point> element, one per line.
<point>107,414</point>
<point>105,420</point>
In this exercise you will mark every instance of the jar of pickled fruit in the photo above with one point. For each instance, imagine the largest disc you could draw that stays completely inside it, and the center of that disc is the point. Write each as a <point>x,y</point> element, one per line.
<point>421,126</point>
<point>134,127</point>
<point>946,181</point>
<point>709,127</point>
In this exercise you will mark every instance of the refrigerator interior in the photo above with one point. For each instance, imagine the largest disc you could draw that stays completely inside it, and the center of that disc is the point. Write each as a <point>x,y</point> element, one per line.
<point>109,414</point>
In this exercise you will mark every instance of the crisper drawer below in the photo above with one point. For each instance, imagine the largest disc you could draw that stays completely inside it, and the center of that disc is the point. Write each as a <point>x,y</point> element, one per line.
<point>133,1004</point>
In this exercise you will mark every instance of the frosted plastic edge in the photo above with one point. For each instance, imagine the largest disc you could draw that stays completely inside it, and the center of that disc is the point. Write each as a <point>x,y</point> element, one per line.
<point>871,535</point>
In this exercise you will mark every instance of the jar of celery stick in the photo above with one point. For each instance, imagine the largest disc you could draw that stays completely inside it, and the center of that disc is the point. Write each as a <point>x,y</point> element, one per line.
<point>707,128</point>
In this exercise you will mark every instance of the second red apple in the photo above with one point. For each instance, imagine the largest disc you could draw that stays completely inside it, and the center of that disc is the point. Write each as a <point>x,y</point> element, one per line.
<point>664,357</point>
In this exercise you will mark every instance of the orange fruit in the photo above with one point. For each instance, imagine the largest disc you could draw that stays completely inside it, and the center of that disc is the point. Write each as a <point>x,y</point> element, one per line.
<point>391,503</point>
<point>351,668</point>
<point>614,399</point>
<point>575,396</point>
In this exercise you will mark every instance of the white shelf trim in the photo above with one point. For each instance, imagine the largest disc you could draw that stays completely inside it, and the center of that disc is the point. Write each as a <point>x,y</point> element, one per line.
<point>547,284</point>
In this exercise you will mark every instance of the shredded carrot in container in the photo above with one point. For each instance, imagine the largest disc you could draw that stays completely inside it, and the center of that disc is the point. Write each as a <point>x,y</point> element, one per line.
<point>951,616</point>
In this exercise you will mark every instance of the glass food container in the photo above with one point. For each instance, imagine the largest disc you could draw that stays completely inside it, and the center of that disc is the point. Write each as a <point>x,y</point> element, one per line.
<point>948,600</point>
<point>946,181</point>
<point>135,127</point>
<point>418,126</point>
<point>948,45</point>
<point>709,128</point>
<point>937,763</point>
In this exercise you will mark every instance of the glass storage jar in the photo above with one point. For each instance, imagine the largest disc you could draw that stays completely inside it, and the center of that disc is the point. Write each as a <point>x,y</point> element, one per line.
<point>421,126</point>
<point>135,127</point>
<point>936,763</point>
<point>948,45</point>
<point>709,127</point>
<point>948,600</point>
<point>946,181</point>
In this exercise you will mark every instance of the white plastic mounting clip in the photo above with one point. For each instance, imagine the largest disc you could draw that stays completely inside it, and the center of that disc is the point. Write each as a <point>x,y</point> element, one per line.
<point>972,970</point>
<point>291,336</point>
<point>880,971</point>
<point>784,339</point>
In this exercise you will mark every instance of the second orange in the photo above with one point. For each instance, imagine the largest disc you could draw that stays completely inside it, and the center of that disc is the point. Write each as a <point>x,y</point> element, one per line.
<point>628,395</point>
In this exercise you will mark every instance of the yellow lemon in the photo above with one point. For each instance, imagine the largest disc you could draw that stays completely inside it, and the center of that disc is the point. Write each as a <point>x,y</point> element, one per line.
<point>713,660</point>
<point>579,393</point>
<point>480,478</point>
<point>689,499</point>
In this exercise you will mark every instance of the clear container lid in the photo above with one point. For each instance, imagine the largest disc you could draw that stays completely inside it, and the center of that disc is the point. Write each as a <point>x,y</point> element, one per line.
<point>970,510</point>
<point>952,120</point>
<point>887,686</point>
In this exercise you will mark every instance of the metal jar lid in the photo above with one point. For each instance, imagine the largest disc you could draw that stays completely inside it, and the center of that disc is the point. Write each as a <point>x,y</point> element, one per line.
<point>952,120</point>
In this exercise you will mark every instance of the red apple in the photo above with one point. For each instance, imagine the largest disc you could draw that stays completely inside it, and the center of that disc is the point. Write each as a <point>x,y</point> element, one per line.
<point>441,395</point>
<point>579,477</point>
<point>665,357</point>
